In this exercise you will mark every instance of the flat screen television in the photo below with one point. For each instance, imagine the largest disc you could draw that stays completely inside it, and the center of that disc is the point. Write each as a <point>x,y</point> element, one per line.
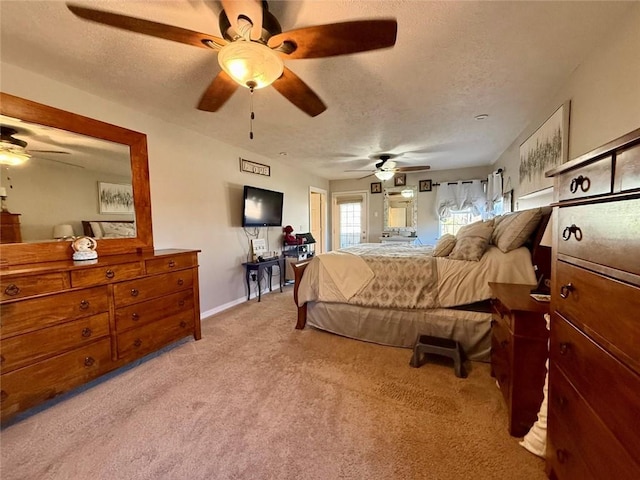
<point>262,208</point>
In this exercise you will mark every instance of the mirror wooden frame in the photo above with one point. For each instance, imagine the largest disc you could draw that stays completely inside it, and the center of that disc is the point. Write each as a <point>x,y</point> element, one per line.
<point>25,253</point>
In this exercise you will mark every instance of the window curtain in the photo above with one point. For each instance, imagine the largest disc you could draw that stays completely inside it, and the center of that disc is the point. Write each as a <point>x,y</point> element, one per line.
<point>494,189</point>
<point>461,195</point>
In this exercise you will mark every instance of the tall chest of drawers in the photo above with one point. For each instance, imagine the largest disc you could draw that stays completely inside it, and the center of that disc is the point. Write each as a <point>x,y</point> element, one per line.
<point>66,323</point>
<point>594,377</point>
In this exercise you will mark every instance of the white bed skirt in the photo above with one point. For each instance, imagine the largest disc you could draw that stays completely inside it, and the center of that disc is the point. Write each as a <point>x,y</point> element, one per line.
<point>400,328</point>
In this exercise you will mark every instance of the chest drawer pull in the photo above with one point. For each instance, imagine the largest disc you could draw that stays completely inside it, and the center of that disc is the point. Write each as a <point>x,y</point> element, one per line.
<point>12,289</point>
<point>181,303</point>
<point>565,290</point>
<point>564,348</point>
<point>3,395</point>
<point>89,361</point>
<point>1,358</point>
<point>172,264</point>
<point>504,343</point>
<point>84,304</point>
<point>135,317</point>
<point>561,455</point>
<point>134,292</point>
<point>580,182</point>
<point>86,332</point>
<point>183,324</point>
<point>110,273</point>
<point>137,343</point>
<point>573,229</point>
<point>180,282</point>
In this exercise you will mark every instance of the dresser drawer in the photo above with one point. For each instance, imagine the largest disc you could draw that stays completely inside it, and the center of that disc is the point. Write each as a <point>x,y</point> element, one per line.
<point>22,350</point>
<point>603,233</point>
<point>145,312</point>
<point>590,438</point>
<point>31,314</point>
<point>134,291</point>
<point>26,286</point>
<point>140,341</point>
<point>29,386</point>
<point>609,387</point>
<point>168,263</point>
<point>627,175</point>
<point>606,308</point>
<point>105,274</point>
<point>593,179</point>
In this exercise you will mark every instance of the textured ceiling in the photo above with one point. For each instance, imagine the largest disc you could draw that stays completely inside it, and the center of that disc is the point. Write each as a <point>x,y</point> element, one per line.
<point>452,61</point>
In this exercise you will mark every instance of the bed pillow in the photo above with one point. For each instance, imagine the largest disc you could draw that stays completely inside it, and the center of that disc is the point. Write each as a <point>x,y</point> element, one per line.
<point>513,229</point>
<point>118,229</point>
<point>445,245</point>
<point>472,241</point>
<point>96,229</point>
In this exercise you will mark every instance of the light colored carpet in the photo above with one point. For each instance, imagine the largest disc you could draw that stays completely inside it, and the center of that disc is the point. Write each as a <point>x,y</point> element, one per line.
<point>256,399</point>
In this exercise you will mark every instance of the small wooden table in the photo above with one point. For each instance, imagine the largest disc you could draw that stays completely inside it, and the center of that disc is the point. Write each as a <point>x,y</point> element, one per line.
<point>259,268</point>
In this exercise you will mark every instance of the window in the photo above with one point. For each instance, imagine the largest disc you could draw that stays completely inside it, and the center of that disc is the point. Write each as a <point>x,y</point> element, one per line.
<point>350,223</point>
<point>457,220</point>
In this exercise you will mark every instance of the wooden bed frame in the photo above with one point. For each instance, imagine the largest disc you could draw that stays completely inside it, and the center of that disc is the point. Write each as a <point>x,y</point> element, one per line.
<point>540,257</point>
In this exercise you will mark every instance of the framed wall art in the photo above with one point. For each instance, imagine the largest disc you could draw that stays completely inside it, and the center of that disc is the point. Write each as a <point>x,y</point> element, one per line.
<point>376,187</point>
<point>254,167</point>
<point>425,185</point>
<point>115,197</point>
<point>400,179</point>
<point>545,149</point>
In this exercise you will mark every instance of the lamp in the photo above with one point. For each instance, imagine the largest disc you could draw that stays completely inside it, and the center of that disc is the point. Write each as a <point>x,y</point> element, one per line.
<point>384,174</point>
<point>63,232</point>
<point>251,64</point>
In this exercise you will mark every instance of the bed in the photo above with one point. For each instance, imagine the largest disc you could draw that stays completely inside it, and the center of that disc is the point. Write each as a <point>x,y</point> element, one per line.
<point>389,294</point>
<point>109,228</point>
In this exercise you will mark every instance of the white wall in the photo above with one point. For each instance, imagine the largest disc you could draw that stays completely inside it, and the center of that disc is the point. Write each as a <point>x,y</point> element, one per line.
<point>196,185</point>
<point>605,99</point>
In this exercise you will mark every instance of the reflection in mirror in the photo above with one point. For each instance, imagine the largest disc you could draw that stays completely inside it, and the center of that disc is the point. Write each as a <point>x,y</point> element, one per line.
<point>401,209</point>
<point>56,188</point>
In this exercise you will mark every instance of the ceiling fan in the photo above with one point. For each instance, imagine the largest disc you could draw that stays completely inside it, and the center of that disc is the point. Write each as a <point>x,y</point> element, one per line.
<point>386,168</point>
<point>253,48</point>
<point>13,151</point>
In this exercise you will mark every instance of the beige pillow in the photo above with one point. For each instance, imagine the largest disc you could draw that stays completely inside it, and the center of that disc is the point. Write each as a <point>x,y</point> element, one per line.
<point>472,241</point>
<point>513,229</point>
<point>445,245</point>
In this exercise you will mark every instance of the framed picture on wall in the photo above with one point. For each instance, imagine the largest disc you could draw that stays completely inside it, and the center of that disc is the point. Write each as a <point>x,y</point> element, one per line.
<point>115,197</point>
<point>425,185</point>
<point>376,187</point>
<point>400,179</point>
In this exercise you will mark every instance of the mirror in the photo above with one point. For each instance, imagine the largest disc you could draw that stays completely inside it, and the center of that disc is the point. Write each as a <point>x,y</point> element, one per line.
<point>93,162</point>
<point>401,209</point>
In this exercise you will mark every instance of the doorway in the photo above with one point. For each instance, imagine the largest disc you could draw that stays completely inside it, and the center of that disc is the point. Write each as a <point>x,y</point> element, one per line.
<point>318,218</point>
<point>349,218</point>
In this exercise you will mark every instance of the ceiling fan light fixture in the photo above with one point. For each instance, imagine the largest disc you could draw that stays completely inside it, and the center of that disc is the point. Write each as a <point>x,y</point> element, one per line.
<point>250,64</point>
<point>13,155</point>
<point>384,174</point>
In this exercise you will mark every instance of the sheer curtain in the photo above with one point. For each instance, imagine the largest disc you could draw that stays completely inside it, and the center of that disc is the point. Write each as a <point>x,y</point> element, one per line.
<point>461,195</point>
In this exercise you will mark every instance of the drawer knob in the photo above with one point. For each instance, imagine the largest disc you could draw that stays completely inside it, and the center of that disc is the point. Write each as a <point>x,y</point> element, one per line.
<point>564,348</point>
<point>562,401</point>
<point>172,264</point>
<point>504,343</point>
<point>181,303</point>
<point>86,332</point>
<point>134,292</point>
<point>137,342</point>
<point>110,273</point>
<point>1,358</point>
<point>12,289</point>
<point>580,182</point>
<point>561,455</point>
<point>84,304</point>
<point>565,290</point>
<point>135,317</point>
<point>3,395</point>
<point>180,282</point>
<point>89,361</point>
<point>572,230</point>
<point>183,324</point>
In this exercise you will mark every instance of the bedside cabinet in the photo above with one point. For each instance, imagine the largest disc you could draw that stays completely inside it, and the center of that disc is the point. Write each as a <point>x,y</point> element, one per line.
<point>518,352</point>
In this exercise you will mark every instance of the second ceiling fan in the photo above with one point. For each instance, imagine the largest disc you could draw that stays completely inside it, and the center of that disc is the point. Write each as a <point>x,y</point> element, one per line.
<point>386,168</point>
<point>253,48</point>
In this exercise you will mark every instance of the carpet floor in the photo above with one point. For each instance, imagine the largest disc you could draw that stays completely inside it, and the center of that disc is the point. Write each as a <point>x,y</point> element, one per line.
<point>256,399</point>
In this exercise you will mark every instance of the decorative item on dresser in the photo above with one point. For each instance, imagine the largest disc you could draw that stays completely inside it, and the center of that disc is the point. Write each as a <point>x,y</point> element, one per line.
<point>594,376</point>
<point>518,352</point>
<point>67,322</point>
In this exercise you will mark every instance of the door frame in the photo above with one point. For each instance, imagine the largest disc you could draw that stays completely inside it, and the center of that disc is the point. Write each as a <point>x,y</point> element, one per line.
<point>335,215</point>
<point>324,241</point>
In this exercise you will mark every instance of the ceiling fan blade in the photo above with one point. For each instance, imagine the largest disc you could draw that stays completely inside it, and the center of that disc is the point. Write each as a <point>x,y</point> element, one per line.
<point>416,168</point>
<point>338,38</point>
<point>218,92</point>
<point>49,151</point>
<point>146,27</point>
<point>299,93</point>
<point>366,176</point>
<point>251,9</point>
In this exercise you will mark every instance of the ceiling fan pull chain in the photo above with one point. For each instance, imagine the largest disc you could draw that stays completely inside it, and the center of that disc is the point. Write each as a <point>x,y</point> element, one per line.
<point>252,116</point>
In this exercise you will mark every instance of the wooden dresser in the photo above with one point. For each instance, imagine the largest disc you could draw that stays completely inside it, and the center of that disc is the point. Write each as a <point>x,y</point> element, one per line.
<point>10,228</point>
<point>64,323</point>
<point>519,339</point>
<point>594,378</point>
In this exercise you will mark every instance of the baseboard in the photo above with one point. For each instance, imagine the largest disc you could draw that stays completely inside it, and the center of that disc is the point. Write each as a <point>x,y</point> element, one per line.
<point>238,301</point>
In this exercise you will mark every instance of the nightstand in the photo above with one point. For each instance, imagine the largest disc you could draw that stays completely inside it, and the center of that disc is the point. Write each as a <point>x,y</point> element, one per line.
<point>519,351</point>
